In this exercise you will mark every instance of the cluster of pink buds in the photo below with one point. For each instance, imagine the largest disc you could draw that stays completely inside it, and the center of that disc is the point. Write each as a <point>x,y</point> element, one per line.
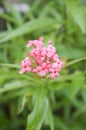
<point>42,60</point>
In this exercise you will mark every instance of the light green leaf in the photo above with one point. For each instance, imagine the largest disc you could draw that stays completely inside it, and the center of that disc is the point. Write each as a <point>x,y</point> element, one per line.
<point>36,118</point>
<point>28,27</point>
<point>75,88</point>
<point>78,11</point>
<point>49,118</point>
<point>76,85</point>
<point>13,85</point>
<point>21,104</point>
<point>8,18</point>
<point>80,17</point>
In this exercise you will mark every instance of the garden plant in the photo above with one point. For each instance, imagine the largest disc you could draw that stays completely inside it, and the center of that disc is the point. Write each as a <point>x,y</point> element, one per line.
<point>43,66</point>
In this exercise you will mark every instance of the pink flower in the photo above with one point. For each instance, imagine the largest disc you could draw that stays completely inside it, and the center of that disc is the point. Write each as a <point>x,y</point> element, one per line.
<point>42,60</point>
<point>28,69</point>
<point>53,75</point>
<point>21,71</point>
<point>35,71</point>
<point>42,73</point>
<point>29,44</point>
<point>50,42</point>
<point>41,38</point>
<point>25,65</point>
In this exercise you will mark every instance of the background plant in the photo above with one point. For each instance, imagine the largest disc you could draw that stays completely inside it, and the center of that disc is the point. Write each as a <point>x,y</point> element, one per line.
<point>64,106</point>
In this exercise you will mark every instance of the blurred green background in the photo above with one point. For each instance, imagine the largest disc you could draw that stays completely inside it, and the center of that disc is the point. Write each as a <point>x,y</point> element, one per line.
<point>66,26</point>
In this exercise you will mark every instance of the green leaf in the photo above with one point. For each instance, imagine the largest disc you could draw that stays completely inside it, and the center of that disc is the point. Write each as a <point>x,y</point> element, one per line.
<point>36,118</point>
<point>21,104</point>
<point>8,18</point>
<point>78,11</point>
<point>13,85</point>
<point>76,85</point>
<point>70,52</point>
<point>59,123</point>
<point>75,88</point>
<point>15,15</point>
<point>49,118</point>
<point>29,27</point>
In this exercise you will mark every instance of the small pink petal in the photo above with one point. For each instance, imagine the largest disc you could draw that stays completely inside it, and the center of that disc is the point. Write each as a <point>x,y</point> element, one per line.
<point>42,73</point>
<point>52,76</point>
<point>35,70</point>
<point>29,44</point>
<point>41,38</point>
<point>50,42</point>
<point>21,71</point>
<point>28,69</point>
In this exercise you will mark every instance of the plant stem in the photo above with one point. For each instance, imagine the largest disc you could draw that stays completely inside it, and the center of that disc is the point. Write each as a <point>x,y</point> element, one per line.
<point>75,61</point>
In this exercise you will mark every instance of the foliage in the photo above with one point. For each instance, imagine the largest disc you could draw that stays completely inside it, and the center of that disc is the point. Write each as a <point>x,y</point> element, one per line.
<point>58,104</point>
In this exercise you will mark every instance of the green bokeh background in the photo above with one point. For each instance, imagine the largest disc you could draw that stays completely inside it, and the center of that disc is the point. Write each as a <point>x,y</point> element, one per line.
<point>52,20</point>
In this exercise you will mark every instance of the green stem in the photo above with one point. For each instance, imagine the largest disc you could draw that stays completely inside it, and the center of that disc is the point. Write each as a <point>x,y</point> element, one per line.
<point>10,65</point>
<point>75,61</point>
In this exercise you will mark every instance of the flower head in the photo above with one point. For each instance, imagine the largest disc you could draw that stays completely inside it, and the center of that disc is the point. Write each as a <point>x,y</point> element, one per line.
<point>42,60</point>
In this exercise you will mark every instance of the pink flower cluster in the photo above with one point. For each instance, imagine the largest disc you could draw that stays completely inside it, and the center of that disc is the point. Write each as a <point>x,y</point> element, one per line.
<point>42,60</point>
